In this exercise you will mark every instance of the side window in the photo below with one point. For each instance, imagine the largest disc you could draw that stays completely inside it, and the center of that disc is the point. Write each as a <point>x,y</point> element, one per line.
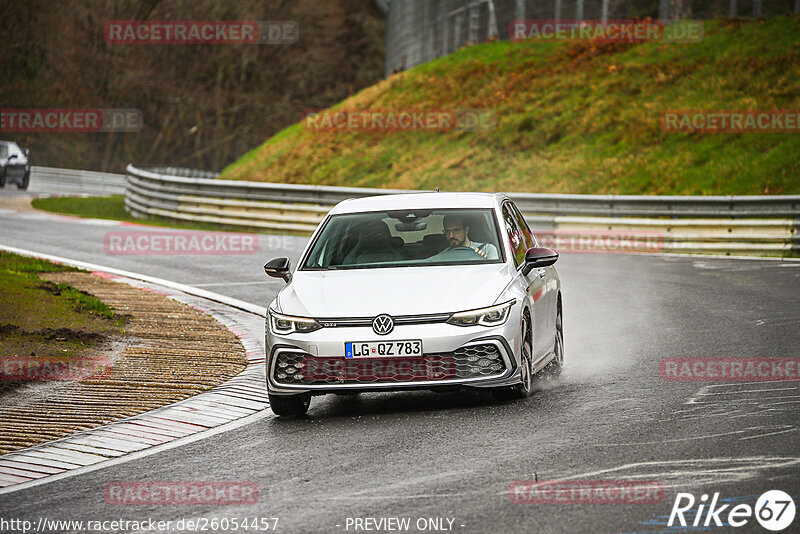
<point>523,224</point>
<point>516,237</point>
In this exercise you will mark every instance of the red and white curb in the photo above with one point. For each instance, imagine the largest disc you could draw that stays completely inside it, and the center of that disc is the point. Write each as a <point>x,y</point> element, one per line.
<point>236,402</point>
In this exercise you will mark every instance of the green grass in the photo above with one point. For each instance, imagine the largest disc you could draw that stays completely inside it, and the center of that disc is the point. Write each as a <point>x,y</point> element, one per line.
<point>578,117</point>
<point>39,318</point>
<point>113,208</point>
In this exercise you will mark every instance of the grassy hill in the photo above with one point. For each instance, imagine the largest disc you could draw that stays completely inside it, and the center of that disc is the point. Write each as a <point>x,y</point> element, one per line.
<point>578,117</point>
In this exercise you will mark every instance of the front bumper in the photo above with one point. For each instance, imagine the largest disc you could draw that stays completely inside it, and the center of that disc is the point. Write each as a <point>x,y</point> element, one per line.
<point>453,356</point>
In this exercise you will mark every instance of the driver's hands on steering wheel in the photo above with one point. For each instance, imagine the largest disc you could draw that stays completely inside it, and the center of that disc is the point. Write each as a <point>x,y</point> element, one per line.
<point>464,247</point>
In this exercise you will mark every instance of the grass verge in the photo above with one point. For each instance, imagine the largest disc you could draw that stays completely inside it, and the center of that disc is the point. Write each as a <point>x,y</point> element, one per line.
<point>46,320</point>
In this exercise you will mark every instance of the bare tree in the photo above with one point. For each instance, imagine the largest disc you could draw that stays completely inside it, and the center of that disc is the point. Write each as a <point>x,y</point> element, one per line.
<point>558,10</point>
<point>663,10</point>
<point>733,9</point>
<point>756,8</point>
<point>519,13</point>
<point>680,9</point>
<point>604,15</point>
<point>493,29</point>
<point>797,6</point>
<point>579,9</point>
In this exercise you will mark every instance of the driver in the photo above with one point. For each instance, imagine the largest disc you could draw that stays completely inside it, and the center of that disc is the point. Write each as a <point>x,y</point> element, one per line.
<point>456,232</point>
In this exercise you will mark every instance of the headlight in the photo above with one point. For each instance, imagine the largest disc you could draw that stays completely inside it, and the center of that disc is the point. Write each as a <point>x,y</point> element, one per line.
<point>286,324</point>
<point>491,316</point>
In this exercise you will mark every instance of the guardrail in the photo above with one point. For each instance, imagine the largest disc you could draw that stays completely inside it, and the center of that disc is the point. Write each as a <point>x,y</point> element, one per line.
<point>760,225</point>
<point>54,180</point>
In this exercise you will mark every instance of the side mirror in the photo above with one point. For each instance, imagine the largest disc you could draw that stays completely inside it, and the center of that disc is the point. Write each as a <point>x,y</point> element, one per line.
<point>12,156</point>
<point>27,152</point>
<point>279,268</point>
<point>539,257</point>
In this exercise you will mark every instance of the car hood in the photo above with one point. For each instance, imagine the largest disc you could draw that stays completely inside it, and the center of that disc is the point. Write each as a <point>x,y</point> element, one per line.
<point>396,291</point>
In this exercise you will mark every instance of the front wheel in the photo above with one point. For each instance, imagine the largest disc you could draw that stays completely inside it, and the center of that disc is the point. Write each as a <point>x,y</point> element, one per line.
<point>553,369</point>
<point>289,405</point>
<point>525,387</point>
<point>2,178</point>
<point>25,181</point>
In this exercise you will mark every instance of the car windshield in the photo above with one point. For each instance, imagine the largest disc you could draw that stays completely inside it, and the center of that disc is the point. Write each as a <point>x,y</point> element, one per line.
<point>406,238</point>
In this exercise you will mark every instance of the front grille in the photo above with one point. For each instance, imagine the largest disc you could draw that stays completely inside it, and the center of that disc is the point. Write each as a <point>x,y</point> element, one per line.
<point>334,322</point>
<point>473,361</point>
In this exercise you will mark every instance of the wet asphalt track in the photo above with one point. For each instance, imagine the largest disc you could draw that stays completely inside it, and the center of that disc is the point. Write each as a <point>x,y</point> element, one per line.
<point>427,455</point>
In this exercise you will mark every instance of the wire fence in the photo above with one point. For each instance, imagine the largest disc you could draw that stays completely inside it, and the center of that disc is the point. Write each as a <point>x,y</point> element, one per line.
<point>421,30</point>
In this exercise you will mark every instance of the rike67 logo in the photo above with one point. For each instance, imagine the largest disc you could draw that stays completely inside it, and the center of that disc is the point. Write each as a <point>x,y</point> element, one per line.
<point>774,510</point>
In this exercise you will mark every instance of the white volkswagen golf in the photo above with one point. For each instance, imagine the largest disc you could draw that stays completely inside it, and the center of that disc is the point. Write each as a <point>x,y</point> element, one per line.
<point>415,291</point>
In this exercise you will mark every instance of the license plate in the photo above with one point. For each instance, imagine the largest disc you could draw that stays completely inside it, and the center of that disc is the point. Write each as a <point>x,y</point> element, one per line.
<point>380,349</point>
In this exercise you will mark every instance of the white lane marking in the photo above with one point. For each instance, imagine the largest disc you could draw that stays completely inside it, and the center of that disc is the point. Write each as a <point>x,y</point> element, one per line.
<point>750,391</point>
<point>792,429</point>
<point>748,398</point>
<point>690,438</point>
<point>693,471</point>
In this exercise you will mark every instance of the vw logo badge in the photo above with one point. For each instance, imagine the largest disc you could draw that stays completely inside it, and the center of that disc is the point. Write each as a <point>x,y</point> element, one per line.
<point>383,324</point>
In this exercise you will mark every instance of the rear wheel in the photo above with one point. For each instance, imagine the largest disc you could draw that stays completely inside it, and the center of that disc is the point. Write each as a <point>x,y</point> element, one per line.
<point>289,405</point>
<point>525,387</point>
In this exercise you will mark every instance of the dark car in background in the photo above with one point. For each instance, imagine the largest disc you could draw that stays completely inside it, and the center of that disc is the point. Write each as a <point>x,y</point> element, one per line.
<point>15,165</point>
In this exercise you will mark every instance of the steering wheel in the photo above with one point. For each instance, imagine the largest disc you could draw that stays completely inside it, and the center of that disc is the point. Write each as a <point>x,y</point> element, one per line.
<point>455,254</point>
<point>462,247</point>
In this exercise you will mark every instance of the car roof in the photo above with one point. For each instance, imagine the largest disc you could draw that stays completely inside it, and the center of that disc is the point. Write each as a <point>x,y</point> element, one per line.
<point>422,200</point>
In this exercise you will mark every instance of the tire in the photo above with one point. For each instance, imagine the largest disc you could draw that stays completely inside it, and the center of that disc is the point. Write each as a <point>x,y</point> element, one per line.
<point>289,405</point>
<point>553,369</point>
<point>2,178</point>
<point>23,185</point>
<point>525,388</point>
